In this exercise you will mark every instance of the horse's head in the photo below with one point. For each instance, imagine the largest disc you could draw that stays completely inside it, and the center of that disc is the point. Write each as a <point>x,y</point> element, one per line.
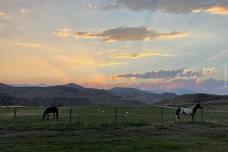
<point>198,106</point>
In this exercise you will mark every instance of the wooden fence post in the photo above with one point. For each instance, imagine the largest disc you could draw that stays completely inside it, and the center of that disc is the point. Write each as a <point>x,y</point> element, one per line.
<point>115,115</point>
<point>162,116</point>
<point>70,117</point>
<point>202,114</point>
<point>14,117</point>
<point>122,117</point>
<point>78,118</point>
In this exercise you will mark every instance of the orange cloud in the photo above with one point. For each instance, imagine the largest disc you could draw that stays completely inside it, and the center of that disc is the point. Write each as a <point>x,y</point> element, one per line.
<point>218,10</point>
<point>64,33</point>
<point>173,35</point>
<point>32,45</point>
<point>87,61</point>
<point>139,55</point>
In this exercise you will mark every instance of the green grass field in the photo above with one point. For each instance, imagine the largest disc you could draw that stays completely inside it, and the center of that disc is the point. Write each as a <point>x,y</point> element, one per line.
<point>89,117</point>
<point>102,117</point>
<point>137,129</point>
<point>190,137</point>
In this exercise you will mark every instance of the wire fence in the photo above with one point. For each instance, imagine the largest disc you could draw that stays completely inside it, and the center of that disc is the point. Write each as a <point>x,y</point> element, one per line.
<point>102,116</point>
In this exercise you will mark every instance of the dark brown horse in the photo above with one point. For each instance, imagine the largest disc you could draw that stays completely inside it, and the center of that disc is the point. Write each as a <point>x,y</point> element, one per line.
<point>53,110</point>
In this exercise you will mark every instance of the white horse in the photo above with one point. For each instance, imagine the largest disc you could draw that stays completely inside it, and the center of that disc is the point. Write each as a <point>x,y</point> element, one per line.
<point>187,111</point>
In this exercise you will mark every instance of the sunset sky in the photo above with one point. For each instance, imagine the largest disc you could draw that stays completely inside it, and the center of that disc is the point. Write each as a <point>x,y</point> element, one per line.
<point>147,44</point>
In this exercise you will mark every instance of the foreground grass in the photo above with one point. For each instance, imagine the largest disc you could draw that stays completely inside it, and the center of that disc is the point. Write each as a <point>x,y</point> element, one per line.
<point>190,137</point>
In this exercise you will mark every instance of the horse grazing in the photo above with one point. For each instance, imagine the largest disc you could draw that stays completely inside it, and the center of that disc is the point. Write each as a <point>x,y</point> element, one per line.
<point>53,110</point>
<point>187,111</point>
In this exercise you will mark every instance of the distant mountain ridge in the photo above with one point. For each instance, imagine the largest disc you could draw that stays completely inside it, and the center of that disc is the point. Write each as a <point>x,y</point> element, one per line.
<point>74,94</point>
<point>144,96</point>
<point>189,99</point>
<point>68,94</point>
<point>183,91</point>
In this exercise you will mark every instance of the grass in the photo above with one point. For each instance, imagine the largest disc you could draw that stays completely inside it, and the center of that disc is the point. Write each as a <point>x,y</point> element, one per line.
<point>138,129</point>
<point>192,138</point>
<point>89,117</point>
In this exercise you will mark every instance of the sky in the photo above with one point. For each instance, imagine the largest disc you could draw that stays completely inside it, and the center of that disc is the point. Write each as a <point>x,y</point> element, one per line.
<point>146,44</point>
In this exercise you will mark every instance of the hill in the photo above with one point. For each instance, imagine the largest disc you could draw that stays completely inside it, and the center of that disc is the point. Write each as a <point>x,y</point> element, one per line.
<point>69,94</point>
<point>195,98</point>
<point>140,95</point>
<point>183,91</point>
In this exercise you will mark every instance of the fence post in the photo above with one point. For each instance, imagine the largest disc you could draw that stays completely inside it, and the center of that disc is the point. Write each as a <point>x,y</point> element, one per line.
<point>122,117</point>
<point>162,116</point>
<point>202,114</point>
<point>115,115</point>
<point>14,117</point>
<point>70,118</point>
<point>78,118</point>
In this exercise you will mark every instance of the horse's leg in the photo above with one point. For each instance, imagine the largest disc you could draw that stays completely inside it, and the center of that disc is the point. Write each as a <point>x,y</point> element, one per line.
<point>192,117</point>
<point>48,115</point>
<point>177,117</point>
<point>57,114</point>
<point>178,114</point>
<point>53,116</point>
<point>44,115</point>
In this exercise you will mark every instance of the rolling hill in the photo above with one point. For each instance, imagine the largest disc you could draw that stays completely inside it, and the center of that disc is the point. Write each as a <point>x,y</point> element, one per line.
<point>195,98</point>
<point>69,94</point>
<point>74,94</point>
<point>140,95</point>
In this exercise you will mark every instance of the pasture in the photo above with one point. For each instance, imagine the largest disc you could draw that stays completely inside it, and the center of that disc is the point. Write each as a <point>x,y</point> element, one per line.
<point>87,117</point>
<point>134,128</point>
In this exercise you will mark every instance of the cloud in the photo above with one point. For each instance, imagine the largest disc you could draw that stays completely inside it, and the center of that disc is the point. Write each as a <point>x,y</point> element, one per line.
<point>183,73</point>
<point>139,55</point>
<point>208,71</point>
<point>32,45</point>
<point>219,7</point>
<point>121,34</point>
<point>96,63</point>
<point>218,10</point>
<point>64,32</point>
<point>87,61</point>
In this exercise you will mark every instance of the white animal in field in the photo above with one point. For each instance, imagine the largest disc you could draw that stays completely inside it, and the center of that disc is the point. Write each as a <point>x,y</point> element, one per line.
<point>187,111</point>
